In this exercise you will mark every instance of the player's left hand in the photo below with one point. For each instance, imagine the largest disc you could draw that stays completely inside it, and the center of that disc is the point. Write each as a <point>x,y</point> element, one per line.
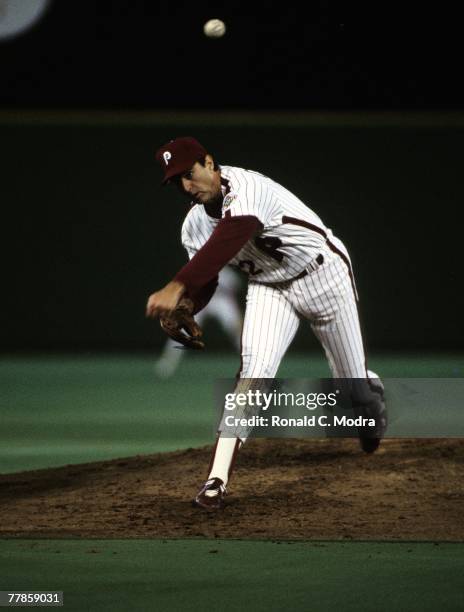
<point>164,301</point>
<point>182,327</point>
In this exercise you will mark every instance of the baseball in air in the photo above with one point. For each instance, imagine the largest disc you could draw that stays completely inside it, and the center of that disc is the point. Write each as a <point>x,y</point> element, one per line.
<point>214,28</point>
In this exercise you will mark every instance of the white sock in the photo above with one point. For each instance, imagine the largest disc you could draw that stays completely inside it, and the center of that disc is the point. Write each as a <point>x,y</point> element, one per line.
<point>224,456</point>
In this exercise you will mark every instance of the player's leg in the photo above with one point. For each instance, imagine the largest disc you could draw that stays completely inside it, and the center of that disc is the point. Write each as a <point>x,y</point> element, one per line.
<point>331,305</point>
<point>269,327</point>
<point>341,339</point>
<point>326,297</point>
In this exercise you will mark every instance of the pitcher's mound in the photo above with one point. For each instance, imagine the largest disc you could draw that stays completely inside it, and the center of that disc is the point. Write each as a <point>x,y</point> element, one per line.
<point>281,489</point>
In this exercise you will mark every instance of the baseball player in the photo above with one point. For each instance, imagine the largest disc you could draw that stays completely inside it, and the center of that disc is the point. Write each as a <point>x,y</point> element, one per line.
<point>296,269</point>
<point>223,307</point>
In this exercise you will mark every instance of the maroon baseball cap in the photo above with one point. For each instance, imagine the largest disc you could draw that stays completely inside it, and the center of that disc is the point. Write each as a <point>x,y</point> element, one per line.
<point>178,156</point>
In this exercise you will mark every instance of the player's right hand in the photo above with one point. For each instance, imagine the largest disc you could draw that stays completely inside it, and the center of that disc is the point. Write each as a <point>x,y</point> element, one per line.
<point>163,302</point>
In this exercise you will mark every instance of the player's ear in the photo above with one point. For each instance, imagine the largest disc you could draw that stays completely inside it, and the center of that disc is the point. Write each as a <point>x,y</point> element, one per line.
<point>209,162</point>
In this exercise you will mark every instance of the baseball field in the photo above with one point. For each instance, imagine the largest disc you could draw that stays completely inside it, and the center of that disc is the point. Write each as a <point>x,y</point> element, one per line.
<point>100,460</point>
<point>149,148</point>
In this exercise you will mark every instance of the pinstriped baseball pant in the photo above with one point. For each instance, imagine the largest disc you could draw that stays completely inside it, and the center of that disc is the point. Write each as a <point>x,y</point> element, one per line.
<point>325,297</point>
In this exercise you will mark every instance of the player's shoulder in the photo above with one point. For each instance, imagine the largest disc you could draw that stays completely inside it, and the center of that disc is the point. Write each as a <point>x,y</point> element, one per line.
<point>239,178</point>
<point>196,212</point>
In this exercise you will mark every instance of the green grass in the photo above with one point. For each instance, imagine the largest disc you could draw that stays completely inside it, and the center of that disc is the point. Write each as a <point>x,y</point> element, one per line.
<point>122,575</point>
<point>58,410</point>
<point>74,409</point>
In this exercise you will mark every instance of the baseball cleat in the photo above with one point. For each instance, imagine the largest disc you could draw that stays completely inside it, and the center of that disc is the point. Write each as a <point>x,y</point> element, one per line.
<point>369,445</point>
<point>371,442</point>
<point>211,495</point>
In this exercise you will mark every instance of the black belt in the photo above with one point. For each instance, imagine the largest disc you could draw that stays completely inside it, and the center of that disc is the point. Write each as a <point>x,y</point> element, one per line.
<point>319,259</point>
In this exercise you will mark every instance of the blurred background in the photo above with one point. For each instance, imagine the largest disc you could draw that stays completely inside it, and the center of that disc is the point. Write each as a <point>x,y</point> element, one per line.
<point>355,107</point>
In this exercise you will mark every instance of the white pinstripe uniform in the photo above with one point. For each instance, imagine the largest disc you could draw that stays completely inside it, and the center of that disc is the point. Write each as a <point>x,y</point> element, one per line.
<point>293,240</point>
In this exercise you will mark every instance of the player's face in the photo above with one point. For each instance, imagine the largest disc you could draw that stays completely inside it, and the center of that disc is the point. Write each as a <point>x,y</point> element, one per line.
<point>202,183</point>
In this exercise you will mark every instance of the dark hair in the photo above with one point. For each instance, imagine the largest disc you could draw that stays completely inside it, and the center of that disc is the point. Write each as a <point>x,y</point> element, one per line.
<point>203,162</point>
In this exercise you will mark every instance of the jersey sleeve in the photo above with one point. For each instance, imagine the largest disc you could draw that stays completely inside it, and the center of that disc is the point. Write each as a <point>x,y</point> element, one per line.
<point>249,196</point>
<point>202,296</point>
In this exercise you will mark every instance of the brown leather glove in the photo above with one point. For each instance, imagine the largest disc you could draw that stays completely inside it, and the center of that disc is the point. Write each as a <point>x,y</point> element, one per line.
<point>182,327</point>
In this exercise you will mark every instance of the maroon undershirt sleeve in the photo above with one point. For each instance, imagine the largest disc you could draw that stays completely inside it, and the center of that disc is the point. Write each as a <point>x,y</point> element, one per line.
<point>230,235</point>
<point>203,296</point>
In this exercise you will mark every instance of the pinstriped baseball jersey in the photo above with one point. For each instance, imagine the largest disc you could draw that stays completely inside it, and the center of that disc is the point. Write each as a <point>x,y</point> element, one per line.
<point>292,234</point>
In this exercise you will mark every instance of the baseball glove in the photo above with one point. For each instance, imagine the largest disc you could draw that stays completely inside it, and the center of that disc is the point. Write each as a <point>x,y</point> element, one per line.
<point>182,327</point>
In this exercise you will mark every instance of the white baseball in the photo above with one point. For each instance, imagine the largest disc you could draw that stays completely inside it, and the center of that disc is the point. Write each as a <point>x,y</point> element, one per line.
<point>214,28</point>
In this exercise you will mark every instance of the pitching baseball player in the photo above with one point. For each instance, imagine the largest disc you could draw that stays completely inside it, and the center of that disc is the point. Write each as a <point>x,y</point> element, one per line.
<point>296,268</point>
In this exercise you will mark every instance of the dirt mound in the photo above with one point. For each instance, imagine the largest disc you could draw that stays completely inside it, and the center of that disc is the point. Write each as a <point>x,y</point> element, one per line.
<point>281,489</point>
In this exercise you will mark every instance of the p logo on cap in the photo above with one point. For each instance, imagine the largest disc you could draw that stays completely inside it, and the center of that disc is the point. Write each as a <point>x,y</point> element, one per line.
<point>178,156</point>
